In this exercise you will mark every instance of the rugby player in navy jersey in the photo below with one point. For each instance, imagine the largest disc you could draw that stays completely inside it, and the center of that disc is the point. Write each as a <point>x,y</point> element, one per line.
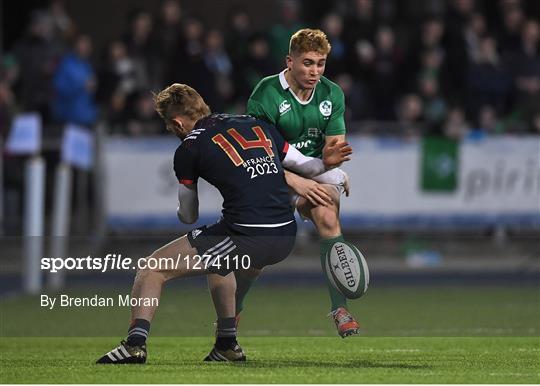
<point>243,157</point>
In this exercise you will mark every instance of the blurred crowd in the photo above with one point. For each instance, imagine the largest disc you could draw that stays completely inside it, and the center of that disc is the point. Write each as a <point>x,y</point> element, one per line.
<point>461,68</point>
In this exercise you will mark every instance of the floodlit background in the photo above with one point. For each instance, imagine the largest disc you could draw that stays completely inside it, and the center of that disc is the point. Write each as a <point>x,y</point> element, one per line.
<point>443,113</point>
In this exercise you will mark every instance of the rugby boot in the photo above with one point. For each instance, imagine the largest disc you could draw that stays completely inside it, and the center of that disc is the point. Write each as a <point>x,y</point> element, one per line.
<point>233,354</point>
<point>346,325</point>
<point>124,354</point>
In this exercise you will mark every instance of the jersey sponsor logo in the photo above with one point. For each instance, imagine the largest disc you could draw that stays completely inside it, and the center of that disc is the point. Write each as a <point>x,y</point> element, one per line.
<point>325,107</point>
<point>302,144</point>
<point>313,132</point>
<point>284,107</point>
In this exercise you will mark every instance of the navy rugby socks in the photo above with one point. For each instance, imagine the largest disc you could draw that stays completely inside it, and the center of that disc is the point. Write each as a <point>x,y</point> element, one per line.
<point>138,332</point>
<point>226,333</point>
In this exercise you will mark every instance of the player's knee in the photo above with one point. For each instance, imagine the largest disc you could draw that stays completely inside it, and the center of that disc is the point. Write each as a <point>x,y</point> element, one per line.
<point>147,270</point>
<point>334,193</point>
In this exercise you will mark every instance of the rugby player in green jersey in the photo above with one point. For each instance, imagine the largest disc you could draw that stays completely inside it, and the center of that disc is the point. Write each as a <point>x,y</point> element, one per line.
<point>308,109</point>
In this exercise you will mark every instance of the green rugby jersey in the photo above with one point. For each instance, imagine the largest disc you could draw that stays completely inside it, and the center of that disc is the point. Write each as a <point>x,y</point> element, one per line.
<point>303,124</point>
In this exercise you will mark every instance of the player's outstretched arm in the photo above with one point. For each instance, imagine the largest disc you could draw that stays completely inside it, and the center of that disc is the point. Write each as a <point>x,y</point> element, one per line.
<point>188,203</point>
<point>334,154</point>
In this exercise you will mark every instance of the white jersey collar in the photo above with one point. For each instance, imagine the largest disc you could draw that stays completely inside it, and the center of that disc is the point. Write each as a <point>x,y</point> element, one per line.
<point>285,86</point>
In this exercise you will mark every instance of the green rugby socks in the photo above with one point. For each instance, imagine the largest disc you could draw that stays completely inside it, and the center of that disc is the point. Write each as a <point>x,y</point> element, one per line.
<point>336,298</point>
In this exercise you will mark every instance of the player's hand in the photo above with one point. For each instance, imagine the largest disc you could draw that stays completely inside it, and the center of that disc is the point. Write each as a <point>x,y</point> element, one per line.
<point>311,190</point>
<point>314,193</point>
<point>335,153</point>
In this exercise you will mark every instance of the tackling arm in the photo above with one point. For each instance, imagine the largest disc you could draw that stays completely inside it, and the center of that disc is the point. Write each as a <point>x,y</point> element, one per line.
<point>306,166</point>
<point>334,154</point>
<point>188,203</point>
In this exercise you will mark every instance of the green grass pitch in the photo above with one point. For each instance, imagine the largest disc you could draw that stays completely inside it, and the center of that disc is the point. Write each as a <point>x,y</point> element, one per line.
<point>410,335</point>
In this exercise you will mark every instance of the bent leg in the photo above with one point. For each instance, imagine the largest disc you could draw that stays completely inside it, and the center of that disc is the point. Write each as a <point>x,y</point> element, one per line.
<point>175,259</point>
<point>326,220</point>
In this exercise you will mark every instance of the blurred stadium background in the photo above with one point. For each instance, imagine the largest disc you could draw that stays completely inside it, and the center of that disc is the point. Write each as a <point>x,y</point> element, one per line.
<point>443,112</point>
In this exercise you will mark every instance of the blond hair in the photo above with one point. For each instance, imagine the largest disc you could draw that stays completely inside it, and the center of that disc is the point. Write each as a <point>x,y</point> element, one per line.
<point>179,99</point>
<point>307,40</point>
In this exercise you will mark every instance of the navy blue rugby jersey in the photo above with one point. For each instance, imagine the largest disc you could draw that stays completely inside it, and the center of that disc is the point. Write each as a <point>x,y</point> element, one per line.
<point>241,156</point>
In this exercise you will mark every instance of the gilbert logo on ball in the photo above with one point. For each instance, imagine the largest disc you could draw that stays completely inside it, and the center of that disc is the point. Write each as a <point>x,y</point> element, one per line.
<point>347,270</point>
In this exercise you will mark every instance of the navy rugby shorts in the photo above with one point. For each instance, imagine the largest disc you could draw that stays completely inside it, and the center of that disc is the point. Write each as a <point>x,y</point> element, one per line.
<point>223,246</point>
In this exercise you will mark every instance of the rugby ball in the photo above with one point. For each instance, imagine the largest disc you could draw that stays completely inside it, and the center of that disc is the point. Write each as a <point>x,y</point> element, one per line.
<point>347,270</point>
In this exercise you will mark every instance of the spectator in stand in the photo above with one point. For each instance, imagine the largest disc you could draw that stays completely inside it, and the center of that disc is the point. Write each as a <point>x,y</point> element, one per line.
<point>336,63</point>
<point>427,39</point>
<point>510,31</point>
<point>360,24</point>
<point>356,102</point>
<point>455,126</point>
<point>431,35</point>
<point>384,76</point>
<point>487,79</point>
<point>281,32</point>
<point>434,103</point>
<point>74,86</point>
<point>257,64</point>
<point>218,62</point>
<point>36,57</point>
<point>9,72</point>
<point>237,33</point>
<point>433,67</point>
<point>431,62</point>
<point>142,47</point>
<point>194,32</point>
<point>119,80</point>
<point>488,122</point>
<point>144,119</point>
<point>525,66</point>
<point>474,31</point>
<point>410,110</point>
<point>190,66</point>
<point>168,36</point>
<point>7,109</point>
<point>359,35</point>
<point>458,16</point>
<point>60,23</point>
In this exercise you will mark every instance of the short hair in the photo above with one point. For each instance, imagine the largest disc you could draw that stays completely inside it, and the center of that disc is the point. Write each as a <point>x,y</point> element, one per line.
<point>179,99</point>
<point>307,40</point>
